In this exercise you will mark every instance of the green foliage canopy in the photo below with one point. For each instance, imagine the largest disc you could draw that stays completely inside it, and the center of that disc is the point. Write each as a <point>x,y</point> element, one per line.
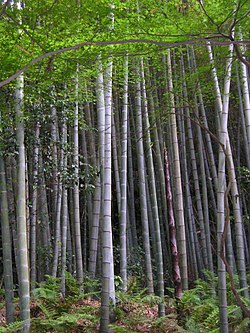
<point>44,26</point>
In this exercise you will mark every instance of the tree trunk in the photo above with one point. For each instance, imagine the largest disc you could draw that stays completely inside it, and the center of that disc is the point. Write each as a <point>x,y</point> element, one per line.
<point>76,195</point>
<point>142,187</point>
<point>24,283</point>
<point>7,246</point>
<point>153,197</point>
<point>33,218</point>
<point>180,225</point>
<point>108,292</point>
<point>64,211</point>
<point>172,231</point>
<point>124,183</point>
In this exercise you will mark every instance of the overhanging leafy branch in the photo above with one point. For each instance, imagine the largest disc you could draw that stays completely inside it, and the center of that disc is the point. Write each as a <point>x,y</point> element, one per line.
<point>196,42</point>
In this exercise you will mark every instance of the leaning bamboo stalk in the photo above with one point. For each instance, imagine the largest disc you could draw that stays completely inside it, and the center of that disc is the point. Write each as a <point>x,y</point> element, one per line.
<point>243,120</point>
<point>221,213</point>
<point>246,97</point>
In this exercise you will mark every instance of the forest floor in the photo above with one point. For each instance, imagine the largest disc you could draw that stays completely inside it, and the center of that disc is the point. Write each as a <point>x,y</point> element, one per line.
<point>83,316</point>
<point>136,311</point>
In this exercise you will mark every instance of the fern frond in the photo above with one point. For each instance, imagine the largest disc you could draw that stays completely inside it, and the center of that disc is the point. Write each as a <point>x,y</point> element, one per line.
<point>244,326</point>
<point>11,328</point>
<point>45,293</point>
<point>48,310</point>
<point>212,320</point>
<point>63,323</point>
<point>120,329</point>
<point>167,324</point>
<point>152,300</point>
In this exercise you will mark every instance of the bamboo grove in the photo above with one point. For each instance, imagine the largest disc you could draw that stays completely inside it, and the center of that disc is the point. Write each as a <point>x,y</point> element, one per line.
<point>124,160</point>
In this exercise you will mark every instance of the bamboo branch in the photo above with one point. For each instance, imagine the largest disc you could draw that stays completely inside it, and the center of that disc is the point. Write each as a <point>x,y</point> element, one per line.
<point>196,42</point>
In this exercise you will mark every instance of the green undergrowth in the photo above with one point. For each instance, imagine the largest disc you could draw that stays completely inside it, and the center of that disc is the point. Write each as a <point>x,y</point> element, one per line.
<point>138,312</point>
<point>199,308</point>
<point>12,328</point>
<point>135,311</point>
<point>53,313</point>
